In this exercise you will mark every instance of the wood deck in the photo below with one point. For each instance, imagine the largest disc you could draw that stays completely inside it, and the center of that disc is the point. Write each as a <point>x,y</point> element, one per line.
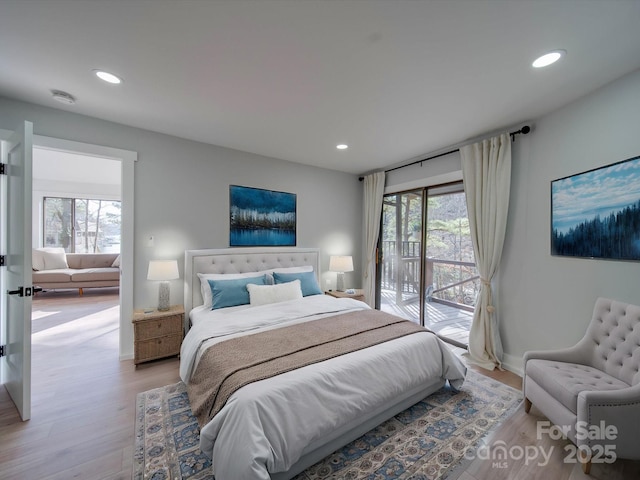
<point>448,322</point>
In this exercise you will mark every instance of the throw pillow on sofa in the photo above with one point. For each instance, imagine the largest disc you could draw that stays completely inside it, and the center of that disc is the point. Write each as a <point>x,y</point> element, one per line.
<point>49,258</point>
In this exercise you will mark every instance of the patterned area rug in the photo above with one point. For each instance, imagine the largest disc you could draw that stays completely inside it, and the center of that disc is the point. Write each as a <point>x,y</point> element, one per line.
<point>434,439</point>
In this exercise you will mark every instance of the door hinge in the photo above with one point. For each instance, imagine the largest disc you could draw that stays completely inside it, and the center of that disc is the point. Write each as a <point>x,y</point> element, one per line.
<point>1,260</point>
<point>2,350</point>
<point>3,168</point>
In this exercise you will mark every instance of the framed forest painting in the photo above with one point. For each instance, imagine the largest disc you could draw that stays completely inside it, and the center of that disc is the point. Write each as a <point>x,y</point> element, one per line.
<point>596,214</point>
<point>260,217</point>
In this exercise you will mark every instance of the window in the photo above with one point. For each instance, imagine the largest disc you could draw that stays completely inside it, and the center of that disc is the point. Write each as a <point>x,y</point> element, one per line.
<point>81,225</point>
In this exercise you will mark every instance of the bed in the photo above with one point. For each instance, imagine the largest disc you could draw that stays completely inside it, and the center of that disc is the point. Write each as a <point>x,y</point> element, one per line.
<point>274,428</point>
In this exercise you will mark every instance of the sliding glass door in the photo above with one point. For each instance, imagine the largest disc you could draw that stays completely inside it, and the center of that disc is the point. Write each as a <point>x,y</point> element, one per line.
<point>401,247</point>
<point>427,271</point>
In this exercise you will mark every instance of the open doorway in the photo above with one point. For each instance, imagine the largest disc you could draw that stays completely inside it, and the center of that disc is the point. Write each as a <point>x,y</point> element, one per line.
<point>77,210</point>
<point>127,159</point>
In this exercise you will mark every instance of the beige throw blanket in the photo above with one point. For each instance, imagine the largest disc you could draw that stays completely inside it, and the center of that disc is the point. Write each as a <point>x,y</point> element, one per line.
<point>229,365</point>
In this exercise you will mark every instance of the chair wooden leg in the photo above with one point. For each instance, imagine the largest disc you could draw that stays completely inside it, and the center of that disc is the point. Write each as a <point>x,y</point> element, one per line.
<point>527,405</point>
<point>585,460</point>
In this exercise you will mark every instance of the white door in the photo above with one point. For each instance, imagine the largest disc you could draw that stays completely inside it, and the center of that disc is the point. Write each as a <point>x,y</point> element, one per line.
<point>16,283</point>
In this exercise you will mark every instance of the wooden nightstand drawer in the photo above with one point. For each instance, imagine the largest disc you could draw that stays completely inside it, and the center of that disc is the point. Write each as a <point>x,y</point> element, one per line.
<point>161,327</point>
<point>158,348</point>
<point>157,334</point>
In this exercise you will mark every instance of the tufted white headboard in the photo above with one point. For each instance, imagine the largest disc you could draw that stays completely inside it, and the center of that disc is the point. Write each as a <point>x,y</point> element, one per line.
<point>240,260</point>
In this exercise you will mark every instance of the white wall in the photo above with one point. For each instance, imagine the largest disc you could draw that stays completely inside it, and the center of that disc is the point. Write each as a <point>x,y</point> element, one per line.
<point>182,194</point>
<point>437,171</point>
<point>546,301</point>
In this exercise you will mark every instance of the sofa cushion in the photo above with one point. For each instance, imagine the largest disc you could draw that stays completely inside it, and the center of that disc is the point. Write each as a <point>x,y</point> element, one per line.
<point>50,276</point>
<point>564,381</point>
<point>95,274</point>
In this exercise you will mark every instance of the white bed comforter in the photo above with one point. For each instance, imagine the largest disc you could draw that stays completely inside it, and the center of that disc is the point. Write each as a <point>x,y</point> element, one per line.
<point>265,427</point>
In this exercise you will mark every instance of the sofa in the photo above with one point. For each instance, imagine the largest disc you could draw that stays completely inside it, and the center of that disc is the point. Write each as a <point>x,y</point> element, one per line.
<point>53,268</point>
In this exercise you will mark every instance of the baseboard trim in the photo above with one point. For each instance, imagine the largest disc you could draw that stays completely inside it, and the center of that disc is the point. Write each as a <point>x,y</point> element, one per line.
<point>513,364</point>
<point>128,356</point>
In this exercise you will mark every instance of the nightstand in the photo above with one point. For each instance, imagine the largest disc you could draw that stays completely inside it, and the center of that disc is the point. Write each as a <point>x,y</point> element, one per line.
<point>359,295</point>
<point>157,334</point>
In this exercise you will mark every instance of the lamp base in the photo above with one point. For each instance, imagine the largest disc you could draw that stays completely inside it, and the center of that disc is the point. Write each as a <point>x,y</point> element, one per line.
<point>340,282</point>
<point>163,296</point>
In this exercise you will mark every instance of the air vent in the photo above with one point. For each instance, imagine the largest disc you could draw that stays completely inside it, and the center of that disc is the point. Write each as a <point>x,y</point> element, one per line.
<point>63,97</point>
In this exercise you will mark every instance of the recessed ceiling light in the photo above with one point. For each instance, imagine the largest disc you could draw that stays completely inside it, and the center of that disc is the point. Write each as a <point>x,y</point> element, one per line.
<point>548,58</point>
<point>342,146</point>
<point>63,97</point>
<point>107,77</point>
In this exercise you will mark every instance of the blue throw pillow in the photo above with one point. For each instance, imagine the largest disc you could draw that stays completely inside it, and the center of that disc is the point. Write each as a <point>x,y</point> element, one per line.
<point>308,281</point>
<point>229,293</point>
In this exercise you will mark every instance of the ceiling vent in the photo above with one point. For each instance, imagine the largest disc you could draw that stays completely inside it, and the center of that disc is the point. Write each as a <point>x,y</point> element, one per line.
<point>63,97</point>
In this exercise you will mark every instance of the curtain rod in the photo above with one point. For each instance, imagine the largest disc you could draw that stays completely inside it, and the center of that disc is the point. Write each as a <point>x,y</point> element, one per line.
<point>524,130</point>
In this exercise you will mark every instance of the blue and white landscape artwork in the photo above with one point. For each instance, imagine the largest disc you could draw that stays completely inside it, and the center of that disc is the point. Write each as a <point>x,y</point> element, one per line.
<point>261,217</point>
<point>596,214</point>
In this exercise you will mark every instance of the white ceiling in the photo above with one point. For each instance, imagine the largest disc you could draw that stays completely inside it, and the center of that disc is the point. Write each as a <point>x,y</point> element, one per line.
<point>394,79</point>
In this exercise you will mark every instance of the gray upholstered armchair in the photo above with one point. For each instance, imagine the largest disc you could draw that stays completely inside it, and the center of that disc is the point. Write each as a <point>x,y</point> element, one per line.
<point>595,381</point>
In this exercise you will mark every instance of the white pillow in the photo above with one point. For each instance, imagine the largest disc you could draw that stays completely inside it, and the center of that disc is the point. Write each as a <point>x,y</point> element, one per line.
<point>305,268</point>
<point>55,260</point>
<point>38,256</point>
<point>116,262</point>
<point>205,288</point>
<point>37,262</point>
<point>265,294</point>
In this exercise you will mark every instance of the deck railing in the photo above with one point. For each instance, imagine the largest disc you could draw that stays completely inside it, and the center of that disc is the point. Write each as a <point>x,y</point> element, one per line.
<point>452,282</point>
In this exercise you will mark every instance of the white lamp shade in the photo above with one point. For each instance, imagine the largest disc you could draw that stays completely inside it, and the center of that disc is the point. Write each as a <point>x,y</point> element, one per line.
<point>163,270</point>
<point>341,263</point>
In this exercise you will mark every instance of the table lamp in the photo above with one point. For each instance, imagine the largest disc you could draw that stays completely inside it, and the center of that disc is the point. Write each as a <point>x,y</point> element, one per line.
<point>163,270</point>
<point>340,264</point>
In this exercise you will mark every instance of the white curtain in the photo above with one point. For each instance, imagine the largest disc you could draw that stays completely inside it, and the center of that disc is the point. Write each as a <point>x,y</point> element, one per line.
<point>373,193</point>
<point>486,170</point>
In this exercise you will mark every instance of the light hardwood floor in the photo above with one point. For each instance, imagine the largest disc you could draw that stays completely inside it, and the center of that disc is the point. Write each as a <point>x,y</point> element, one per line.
<point>83,409</point>
<point>82,423</point>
